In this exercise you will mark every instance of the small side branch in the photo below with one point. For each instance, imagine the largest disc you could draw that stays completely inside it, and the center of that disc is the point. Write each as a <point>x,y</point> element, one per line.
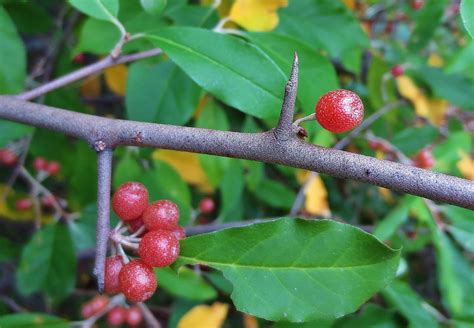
<point>283,129</point>
<point>104,172</point>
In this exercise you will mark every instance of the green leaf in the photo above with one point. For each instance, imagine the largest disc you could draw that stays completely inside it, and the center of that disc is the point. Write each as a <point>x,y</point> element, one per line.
<point>194,15</point>
<point>153,7</point>
<point>387,227</point>
<point>24,320</point>
<point>97,37</point>
<point>373,316</point>
<point>101,9</point>
<point>316,73</point>
<point>163,182</point>
<point>231,190</point>
<point>9,250</point>
<point>11,131</point>
<point>411,140</point>
<point>462,226</point>
<point>83,230</point>
<point>275,194</point>
<point>325,24</point>
<point>447,153</point>
<point>160,93</point>
<point>231,69</point>
<point>467,15</point>
<point>218,280</point>
<point>48,262</point>
<point>12,57</point>
<point>295,270</point>
<point>127,169</point>
<point>410,304</point>
<point>427,21</point>
<point>187,284</point>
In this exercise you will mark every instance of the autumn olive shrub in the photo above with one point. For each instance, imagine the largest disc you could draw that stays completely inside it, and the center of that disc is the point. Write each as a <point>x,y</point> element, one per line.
<point>259,163</point>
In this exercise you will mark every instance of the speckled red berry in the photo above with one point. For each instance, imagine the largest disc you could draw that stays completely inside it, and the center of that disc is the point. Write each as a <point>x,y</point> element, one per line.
<point>159,248</point>
<point>397,70</point>
<point>113,265</point>
<point>179,233</point>
<point>23,204</point>
<point>53,168</point>
<point>207,205</point>
<point>137,281</point>
<point>48,201</point>
<point>116,316</point>
<point>339,110</point>
<point>424,159</point>
<point>161,215</point>
<point>7,157</point>
<point>130,200</point>
<point>417,4</point>
<point>134,316</point>
<point>40,164</point>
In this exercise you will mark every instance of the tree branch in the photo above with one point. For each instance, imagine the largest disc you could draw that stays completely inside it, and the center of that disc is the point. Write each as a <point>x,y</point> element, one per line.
<point>84,72</point>
<point>262,147</point>
<point>104,171</point>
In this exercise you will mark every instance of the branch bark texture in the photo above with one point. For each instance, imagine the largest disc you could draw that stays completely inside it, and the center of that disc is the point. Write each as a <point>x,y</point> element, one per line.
<point>264,147</point>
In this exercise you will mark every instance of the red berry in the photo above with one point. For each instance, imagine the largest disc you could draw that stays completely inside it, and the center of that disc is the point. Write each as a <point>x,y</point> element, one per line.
<point>116,316</point>
<point>23,204</point>
<point>339,110</point>
<point>163,214</point>
<point>7,157</point>
<point>53,167</point>
<point>48,201</point>
<point>417,4</point>
<point>137,281</point>
<point>424,159</point>
<point>40,164</point>
<point>134,316</point>
<point>134,225</point>
<point>79,58</point>
<point>179,233</point>
<point>113,265</point>
<point>159,248</point>
<point>397,70</point>
<point>207,205</point>
<point>99,303</point>
<point>86,310</point>
<point>130,200</point>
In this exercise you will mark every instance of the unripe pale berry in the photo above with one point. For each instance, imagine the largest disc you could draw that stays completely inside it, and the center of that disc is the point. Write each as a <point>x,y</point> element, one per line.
<point>113,265</point>
<point>134,316</point>
<point>161,215</point>
<point>130,200</point>
<point>23,204</point>
<point>116,316</point>
<point>7,157</point>
<point>137,281</point>
<point>207,205</point>
<point>40,164</point>
<point>397,70</point>
<point>53,168</point>
<point>339,110</point>
<point>159,248</point>
<point>179,233</point>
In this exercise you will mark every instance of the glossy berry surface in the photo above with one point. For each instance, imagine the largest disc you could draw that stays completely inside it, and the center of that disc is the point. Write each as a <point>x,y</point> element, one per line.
<point>161,215</point>
<point>130,200</point>
<point>53,167</point>
<point>397,70</point>
<point>116,316</point>
<point>179,233</point>
<point>137,281</point>
<point>339,110</point>
<point>207,205</point>
<point>134,316</point>
<point>23,204</point>
<point>7,157</point>
<point>40,164</point>
<point>159,248</point>
<point>424,159</point>
<point>113,265</point>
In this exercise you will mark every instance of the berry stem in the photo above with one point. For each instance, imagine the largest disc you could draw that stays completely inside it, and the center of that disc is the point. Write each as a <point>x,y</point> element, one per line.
<point>138,232</point>
<point>128,244</point>
<point>150,319</point>
<point>311,117</point>
<point>104,171</point>
<point>122,253</point>
<point>283,129</point>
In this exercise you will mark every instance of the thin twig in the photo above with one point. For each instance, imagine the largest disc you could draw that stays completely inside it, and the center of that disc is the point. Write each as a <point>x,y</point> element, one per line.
<point>150,319</point>
<point>104,172</point>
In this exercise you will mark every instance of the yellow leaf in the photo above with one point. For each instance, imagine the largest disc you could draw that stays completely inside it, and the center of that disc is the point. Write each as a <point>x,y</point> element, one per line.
<point>90,87</point>
<point>386,194</point>
<point>466,165</point>
<point>316,202</point>
<point>187,165</point>
<point>432,109</point>
<point>116,78</point>
<point>350,4</point>
<point>12,214</point>
<point>435,60</point>
<point>250,321</point>
<point>205,316</point>
<point>200,106</point>
<point>256,15</point>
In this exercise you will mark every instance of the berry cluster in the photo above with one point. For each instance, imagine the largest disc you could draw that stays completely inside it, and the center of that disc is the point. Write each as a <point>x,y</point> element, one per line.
<point>49,167</point>
<point>116,315</point>
<point>155,236</point>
